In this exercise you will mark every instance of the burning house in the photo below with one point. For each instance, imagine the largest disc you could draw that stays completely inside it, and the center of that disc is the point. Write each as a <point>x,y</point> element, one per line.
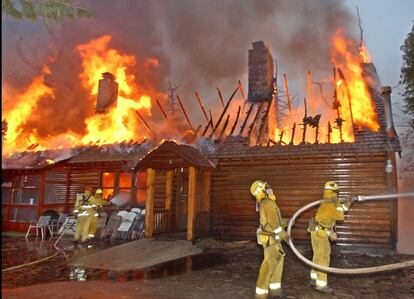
<point>343,133</point>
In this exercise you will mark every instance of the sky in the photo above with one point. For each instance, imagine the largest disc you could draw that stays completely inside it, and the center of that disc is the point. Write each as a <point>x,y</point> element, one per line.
<point>386,25</point>
<point>292,29</point>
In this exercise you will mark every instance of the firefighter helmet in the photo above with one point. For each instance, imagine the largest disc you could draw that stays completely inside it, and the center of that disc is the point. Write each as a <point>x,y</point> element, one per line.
<point>331,185</point>
<point>98,192</point>
<point>257,187</point>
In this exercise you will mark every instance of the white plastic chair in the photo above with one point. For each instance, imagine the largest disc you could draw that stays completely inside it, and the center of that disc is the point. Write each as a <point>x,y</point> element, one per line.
<point>126,224</point>
<point>136,210</point>
<point>57,223</point>
<point>41,224</point>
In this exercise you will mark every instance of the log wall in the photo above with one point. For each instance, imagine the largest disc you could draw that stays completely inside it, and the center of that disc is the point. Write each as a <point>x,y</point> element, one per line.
<point>298,180</point>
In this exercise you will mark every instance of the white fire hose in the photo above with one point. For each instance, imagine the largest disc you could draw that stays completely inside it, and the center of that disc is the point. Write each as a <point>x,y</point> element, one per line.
<point>345,270</point>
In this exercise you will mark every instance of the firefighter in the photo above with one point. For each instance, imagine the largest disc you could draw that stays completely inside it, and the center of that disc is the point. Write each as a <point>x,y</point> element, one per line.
<point>85,212</point>
<point>322,230</point>
<point>269,235</point>
<point>96,202</point>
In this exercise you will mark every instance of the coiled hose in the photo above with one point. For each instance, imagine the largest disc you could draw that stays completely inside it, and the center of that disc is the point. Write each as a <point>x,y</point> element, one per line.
<point>345,270</point>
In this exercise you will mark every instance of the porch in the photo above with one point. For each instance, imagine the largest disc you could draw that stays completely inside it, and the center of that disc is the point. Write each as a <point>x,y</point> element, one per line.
<point>177,190</point>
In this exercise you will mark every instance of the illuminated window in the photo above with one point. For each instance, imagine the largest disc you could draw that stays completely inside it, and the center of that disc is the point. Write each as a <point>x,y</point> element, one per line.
<point>125,180</point>
<point>141,192</point>
<point>108,185</point>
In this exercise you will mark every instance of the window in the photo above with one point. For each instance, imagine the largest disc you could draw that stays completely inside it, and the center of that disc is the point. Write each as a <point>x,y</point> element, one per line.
<point>6,188</point>
<point>108,185</point>
<point>23,214</point>
<point>116,186</point>
<point>141,192</point>
<point>54,193</point>
<point>124,191</point>
<point>27,190</point>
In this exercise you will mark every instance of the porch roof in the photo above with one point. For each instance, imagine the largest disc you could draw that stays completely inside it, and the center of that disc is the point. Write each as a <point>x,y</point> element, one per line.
<point>171,155</point>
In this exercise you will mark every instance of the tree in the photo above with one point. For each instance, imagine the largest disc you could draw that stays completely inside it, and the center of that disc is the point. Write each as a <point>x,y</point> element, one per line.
<point>407,75</point>
<point>50,10</point>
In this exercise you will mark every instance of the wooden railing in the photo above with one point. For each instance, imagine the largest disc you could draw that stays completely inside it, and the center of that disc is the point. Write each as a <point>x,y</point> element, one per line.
<point>161,221</point>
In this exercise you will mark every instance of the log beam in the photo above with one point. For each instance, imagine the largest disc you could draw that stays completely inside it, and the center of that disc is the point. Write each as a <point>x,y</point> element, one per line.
<point>191,211</point>
<point>149,203</point>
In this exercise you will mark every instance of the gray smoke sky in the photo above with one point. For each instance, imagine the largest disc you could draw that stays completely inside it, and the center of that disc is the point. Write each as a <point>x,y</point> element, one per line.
<point>200,44</point>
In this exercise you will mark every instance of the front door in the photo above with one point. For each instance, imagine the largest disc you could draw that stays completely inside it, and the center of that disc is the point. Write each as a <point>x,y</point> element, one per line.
<point>181,200</point>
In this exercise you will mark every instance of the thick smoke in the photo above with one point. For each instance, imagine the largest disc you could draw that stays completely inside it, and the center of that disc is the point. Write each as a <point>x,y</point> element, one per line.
<point>199,44</point>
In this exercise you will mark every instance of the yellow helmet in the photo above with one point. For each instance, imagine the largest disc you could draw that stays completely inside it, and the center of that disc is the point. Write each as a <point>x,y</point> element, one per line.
<point>331,185</point>
<point>257,187</point>
<point>98,192</point>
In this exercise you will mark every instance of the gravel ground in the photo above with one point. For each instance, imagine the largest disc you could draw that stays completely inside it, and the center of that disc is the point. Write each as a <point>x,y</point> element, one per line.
<point>224,270</point>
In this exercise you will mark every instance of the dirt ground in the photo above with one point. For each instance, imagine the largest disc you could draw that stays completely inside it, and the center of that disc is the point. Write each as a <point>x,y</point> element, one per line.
<point>224,270</point>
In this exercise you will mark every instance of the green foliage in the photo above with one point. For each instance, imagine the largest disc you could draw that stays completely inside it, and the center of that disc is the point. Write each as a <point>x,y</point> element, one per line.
<point>50,10</point>
<point>407,74</point>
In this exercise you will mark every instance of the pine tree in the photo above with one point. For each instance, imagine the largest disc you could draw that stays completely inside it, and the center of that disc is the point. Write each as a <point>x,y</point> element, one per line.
<point>50,10</point>
<point>407,75</point>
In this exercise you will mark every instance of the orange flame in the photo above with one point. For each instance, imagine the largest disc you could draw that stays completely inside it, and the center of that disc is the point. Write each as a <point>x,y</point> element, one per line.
<point>355,103</point>
<point>120,123</point>
<point>18,114</point>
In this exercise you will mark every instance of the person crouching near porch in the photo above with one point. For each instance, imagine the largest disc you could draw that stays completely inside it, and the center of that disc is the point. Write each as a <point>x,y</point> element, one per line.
<point>270,234</point>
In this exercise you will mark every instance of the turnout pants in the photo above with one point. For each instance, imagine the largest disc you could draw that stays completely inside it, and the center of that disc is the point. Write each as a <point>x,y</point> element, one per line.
<point>272,267</point>
<point>83,226</point>
<point>321,256</point>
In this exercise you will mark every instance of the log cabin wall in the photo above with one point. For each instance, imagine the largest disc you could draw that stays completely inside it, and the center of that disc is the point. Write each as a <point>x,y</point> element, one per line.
<point>297,179</point>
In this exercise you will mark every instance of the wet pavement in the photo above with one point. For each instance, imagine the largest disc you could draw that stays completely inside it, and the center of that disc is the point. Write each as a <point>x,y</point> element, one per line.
<point>223,270</point>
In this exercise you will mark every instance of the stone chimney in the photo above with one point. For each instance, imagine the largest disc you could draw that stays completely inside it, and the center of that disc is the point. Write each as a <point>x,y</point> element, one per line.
<point>386,95</point>
<point>107,93</point>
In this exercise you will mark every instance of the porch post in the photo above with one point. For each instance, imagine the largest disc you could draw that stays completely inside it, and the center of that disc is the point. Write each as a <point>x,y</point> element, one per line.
<point>206,191</point>
<point>192,181</point>
<point>169,195</point>
<point>149,203</point>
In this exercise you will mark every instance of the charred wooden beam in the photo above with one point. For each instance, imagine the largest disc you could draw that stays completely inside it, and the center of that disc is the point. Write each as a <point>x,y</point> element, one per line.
<point>329,131</point>
<point>253,124</point>
<point>201,106</point>
<point>281,137</point>
<point>197,130</point>
<point>245,120</point>
<point>206,128</point>
<point>264,119</point>
<point>285,82</point>
<point>185,113</point>
<point>293,133</point>
<point>145,123</point>
<point>224,127</point>
<point>336,105</point>
<point>304,121</point>
<point>348,92</point>
<point>243,96</point>
<point>220,96</point>
<point>162,110</point>
<point>235,122</point>
<point>211,118</point>
<point>224,111</point>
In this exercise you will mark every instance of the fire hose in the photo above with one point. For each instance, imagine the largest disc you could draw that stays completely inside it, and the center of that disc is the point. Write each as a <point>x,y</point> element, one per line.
<point>374,269</point>
<point>58,250</point>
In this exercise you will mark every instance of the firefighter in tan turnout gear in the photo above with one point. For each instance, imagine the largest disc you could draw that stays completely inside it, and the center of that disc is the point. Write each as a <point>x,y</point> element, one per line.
<point>322,230</point>
<point>85,212</point>
<point>269,235</point>
<point>96,202</point>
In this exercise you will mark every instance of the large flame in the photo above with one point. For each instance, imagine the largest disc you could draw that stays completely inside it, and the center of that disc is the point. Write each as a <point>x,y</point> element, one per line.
<point>18,114</point>
<point>353,104</point>
<point>119,124</point>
